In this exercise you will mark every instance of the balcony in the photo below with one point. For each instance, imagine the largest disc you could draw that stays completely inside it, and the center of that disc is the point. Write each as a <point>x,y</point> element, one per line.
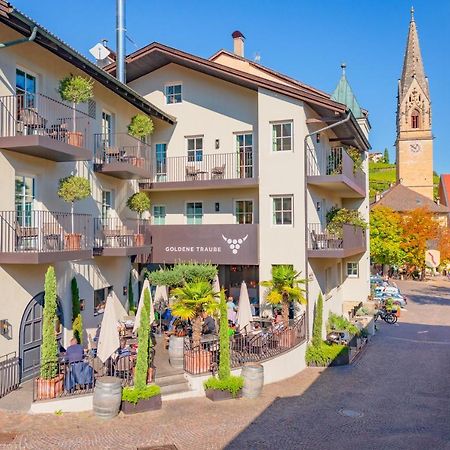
<point>219,244</point>
<point>37,125</point>
<point>221,170</point>
<point>41,237</point>
<point>117,237</point>
<point>334,169</point>
<point>121,156</point>
<point>323,244</point>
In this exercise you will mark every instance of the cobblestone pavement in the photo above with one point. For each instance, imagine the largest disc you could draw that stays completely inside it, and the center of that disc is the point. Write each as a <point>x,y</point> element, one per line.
<point>396,396</point>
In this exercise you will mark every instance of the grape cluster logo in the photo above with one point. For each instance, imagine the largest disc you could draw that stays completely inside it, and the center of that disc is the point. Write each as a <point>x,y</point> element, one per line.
<point>235,244</point>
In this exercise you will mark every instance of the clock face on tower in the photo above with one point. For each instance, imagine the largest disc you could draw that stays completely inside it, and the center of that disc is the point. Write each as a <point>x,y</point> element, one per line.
<point>415,147</point>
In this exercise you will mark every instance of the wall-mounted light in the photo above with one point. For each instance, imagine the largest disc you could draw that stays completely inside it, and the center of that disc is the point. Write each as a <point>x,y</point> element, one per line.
<point>318,138</point>
<point>82,302</point>
<point>217,206</point>
<point>217,144</point>
<point>125,290</point>
<point>318,206</point>
<point>5,329</point>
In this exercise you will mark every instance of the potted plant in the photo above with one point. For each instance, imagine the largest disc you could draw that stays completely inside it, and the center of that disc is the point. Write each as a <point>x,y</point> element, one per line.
<point>142,396</point>
<point>191,300</point>
<point>225,386</point>
<point>337,217</point>
<point>284,288</point>
<point>72,189</point>
<point>75,89</point>
<point>139,203</point>
<point>50,382</point>
<point>140,127</point>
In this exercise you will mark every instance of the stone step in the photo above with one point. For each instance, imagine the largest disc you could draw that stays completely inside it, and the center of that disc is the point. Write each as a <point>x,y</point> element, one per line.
<point>170,379</point>
<point>174,388</point>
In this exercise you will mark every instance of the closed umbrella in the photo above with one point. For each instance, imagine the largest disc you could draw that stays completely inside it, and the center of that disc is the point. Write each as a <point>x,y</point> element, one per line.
<point>162,301</point>
<point>108,340</point>
<point>216,285</point>
<point>244,313</point>
<point>141,305</point>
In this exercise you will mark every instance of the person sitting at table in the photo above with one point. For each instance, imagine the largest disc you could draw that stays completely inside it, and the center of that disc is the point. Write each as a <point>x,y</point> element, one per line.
<point>124,349</point>
<point>209,324</point>
<point>231,328</point>
<point>74,352</point>
<point>231,309</point>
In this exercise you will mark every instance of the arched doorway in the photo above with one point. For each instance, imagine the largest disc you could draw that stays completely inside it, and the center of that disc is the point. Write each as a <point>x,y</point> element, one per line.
<point>31,336</point>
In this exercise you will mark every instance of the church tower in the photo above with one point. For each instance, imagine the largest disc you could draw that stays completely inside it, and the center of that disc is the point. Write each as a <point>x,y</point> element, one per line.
<point>414,138</point>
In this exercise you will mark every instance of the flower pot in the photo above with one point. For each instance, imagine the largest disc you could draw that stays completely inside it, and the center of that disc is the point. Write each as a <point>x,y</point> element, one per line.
<point>216,396</point>
<point>72,241</point>
<point>140,162</point>
<point>46,389</point>
<point>197,361</point>
<point>75,138</point>
<point>149,404</point>
<point>139,240</point>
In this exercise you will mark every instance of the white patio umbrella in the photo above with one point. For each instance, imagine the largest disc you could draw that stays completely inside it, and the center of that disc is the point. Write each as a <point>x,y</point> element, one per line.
<point>244,312</point>
<point>108,340</point>
<point>216,285</point>
<point>141,305</point>
<point>162,300</point>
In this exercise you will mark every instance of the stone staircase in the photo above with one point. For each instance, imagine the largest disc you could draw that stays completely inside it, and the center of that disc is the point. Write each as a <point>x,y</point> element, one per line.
<point>172,383</point>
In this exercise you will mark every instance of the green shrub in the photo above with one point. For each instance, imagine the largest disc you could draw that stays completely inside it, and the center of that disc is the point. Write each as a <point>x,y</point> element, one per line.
<point>183,273</point>
<point>132,395</point>
<point>231,384</point>
<point>76,89</point>
<point>337,217</point>
<point>324,354</point>
<point>49,347</point>
<point>363,311</point>
<point>140,126</point>
<point>340,323</point>
<point>77,318</point>
<point>140,375</point>
<point>318,322</point>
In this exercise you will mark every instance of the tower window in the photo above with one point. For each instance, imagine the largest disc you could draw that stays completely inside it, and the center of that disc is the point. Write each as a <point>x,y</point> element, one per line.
<point>415,119</point>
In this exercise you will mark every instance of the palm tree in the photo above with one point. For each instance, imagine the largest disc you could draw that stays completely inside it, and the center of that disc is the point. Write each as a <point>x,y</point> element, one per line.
<point>191,301</point>
<point>284,288</point>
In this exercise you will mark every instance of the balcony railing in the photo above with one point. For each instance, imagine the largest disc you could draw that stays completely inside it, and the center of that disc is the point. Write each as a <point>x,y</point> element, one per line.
<point>117,233</point>
<point>335,161</point>
<point>39,115</point>
<point>351,240</point>
<point>213,167</point>
<point>28,232</point>
<point>120,154</point>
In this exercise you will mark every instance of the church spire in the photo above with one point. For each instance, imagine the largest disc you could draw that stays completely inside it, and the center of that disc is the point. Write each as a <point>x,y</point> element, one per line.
<point>413,64</point>
<point>344,94</point>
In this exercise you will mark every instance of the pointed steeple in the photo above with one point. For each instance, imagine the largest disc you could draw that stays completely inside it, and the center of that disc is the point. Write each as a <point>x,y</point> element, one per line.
<point>344,94</point>
<point>413,64</point>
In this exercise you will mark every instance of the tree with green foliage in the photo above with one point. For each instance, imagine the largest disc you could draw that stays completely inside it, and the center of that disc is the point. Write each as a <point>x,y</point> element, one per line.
<point>224,339</point>
<point>140,375</point>
<point>386,237</point>
<point>285,288</point>
<point>386,156</point>
<point>337,217</point>
<point>183,273</point>
<point>318,322</point>
<point>49,348</point>
<point>139,202</point>
<point>140,126</point>
<point>191,300</point>
<point>77,318</point>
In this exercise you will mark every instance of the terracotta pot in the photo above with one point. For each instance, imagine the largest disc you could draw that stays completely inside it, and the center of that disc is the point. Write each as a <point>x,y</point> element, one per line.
<point>217,396</point>
<point>151,373</point>
<point>139,240</point>
<point>46,389</point>
<point>140,162</point>
<point>72,241</point>
<point>149,404</point>
<point>197,361</point>
<point>75,138</point>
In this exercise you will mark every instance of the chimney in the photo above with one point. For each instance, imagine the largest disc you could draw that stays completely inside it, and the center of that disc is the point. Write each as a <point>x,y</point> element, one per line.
<point>238,43</point>
<point>120,40</point>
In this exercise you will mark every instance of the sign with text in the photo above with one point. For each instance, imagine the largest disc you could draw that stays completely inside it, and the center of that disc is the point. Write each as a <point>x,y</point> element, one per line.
<point>218,244</point>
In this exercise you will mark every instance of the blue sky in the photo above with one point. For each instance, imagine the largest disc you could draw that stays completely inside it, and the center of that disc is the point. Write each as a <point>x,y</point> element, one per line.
<point>304,39</point>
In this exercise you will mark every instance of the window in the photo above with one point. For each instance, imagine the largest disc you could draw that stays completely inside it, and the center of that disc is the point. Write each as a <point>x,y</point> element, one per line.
<point>282,136</point>
<point>244,211</point>
<point>195,149</point>
<point>159,214</point>
<point>415,119</point>
<point>107,204</point>
<point>282,210</point>
<point>107,128</point>
<point>24,199</point>
<point>173,93</point>
<point>339,273</point>
<point>25,90</point>
<point>194,213</point>
<point>100,297</point>
<point>328,280</point>
<point>161,162</point>
<point>352,270</point>
<point>244,143</point>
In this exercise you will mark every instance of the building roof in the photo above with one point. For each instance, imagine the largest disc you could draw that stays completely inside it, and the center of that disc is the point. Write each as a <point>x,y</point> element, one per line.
<point>16,20</point>
<point>444,189</point>
<point>156,55</point>
<point>402,199</point>
<point>412,63</point>
<point>344,94</point>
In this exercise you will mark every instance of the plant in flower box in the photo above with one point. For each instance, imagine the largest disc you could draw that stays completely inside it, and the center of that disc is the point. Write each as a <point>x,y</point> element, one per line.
<point>225,386</point>
<point>139,203</point>
<point>50,382</point>
<point>72,189</point>
<point>142,396</point>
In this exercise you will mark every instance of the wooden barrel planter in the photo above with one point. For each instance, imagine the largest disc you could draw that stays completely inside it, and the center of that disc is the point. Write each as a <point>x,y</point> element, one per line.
<point>47,389</point>
<point>253,374</point>
<point>107,397</point>
<point>176,350</point>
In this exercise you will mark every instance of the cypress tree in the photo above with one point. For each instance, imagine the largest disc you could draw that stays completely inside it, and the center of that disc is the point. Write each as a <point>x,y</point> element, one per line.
<point>386,156</point>
<point>318,321</point>
<point>224,339</point>
<point>140,379</point>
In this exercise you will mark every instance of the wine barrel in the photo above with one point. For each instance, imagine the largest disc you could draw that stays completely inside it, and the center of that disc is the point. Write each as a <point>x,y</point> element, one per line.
<point>107,397</point>
<point>253,374</point>
<point>176,350</point>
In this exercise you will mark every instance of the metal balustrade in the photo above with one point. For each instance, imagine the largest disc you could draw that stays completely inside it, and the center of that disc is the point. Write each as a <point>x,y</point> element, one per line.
<point>117,233</point>
<point>9,373</point>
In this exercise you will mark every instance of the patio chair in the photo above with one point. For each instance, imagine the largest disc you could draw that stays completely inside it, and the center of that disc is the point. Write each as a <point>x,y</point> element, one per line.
<point>218,172</point>
<point>31,121</point>
<point>191,173</point>
<point>52,233</point>
<point>25,235</point>
<point>123,367</point>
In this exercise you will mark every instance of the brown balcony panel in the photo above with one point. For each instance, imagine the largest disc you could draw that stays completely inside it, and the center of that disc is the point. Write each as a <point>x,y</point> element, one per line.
<point>45,147</point>
<point>124,251</point>
<point>199,184</point>
<point>44,257</point>
<point>340,184</point>
<point>122,170</point>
